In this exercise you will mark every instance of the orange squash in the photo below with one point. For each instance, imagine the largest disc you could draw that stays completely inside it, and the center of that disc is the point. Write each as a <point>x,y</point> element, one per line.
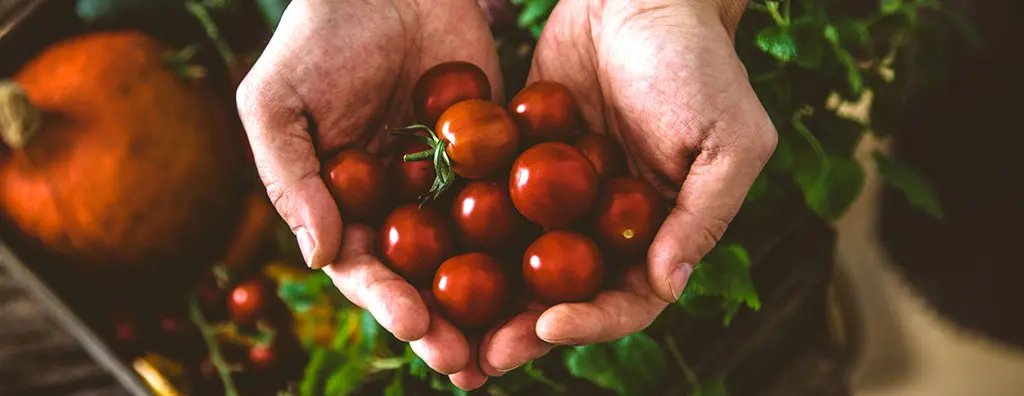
<point>114,159</point>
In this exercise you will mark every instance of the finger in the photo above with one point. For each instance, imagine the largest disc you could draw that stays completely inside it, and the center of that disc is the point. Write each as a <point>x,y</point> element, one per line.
<point>444,348</point>
<point>512,344</point>
<point>370,284</point>
<point>711,194</point>
<point>282,148</point>
<point>470,377</point>
<point>613,314</point>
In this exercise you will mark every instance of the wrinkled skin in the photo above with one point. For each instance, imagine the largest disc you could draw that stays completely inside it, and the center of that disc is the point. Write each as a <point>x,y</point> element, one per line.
<point>660,75</point>
<point>663,78</point>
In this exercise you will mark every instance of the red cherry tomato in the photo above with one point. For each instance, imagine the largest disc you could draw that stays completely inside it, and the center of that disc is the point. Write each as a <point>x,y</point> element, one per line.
<point>485,218</point>
<point>545,112</point>
<point>471,289</point>
<point>411,180</point>
<point>356,179</point>
<point>413,241</point>
<point>563,266</point>
<point>628,213</point>
<point>553,184</point>
<point>262,358</point>
<point>250,300</point>
<point>603,153</point>
<point>446,84</point>
<point>482,138</point>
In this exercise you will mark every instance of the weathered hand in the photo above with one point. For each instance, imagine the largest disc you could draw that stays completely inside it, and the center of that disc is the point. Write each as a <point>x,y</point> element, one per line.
<point>334,74</point>
<point>662,77</point>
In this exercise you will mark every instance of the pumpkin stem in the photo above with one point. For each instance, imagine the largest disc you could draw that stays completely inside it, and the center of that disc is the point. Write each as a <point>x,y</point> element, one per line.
<point>19,120</point>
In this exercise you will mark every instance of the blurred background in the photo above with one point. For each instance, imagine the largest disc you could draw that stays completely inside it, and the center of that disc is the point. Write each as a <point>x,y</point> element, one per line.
<point>140,256</point>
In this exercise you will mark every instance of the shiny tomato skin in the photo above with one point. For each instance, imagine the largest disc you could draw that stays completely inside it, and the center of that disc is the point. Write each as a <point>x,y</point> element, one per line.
<point>553,184</point>
<point>485,218</point>
<point>482,138</point>
<point>563,266</point>
<point>471,289</point>
<point>602,151</point>
<point>545,112</point>
<point>446,84</point>
<point>250,300</point>
<point>413,241</point>
<point>627,215</point>
<point>356,179</point>
<point>410,180</point>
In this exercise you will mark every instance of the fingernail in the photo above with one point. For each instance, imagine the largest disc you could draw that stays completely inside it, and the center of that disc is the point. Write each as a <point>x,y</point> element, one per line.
<point>677,279</point>
<point>503,371</point>
<point>306,245</point>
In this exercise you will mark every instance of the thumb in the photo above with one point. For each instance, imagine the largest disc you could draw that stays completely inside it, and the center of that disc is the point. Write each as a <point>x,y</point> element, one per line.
<point>282,147</point>
<point>711,194</point>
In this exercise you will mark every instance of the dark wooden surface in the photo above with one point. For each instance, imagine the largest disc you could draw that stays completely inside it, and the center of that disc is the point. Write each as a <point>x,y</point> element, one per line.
<point>37,356</point>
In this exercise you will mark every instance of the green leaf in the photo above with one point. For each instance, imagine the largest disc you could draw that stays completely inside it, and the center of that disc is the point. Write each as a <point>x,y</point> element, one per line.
<point>919,193</point>
<point>300,294</point>
<point>757,189</point>
<point>809,41</point>
<point>534,14</point>
<point>777,42</point>
<point>890,6</point>
<point>395,387</point>
<point>321,362</point>
<point>640,363</point>
<point>715,387</point>
<point>592,362</point>
<point>829,191</point>
<point>725,274</point>
<point>272,10</point>
<point>846,60</point>
<point>417,367</point>
<point>369,330</point>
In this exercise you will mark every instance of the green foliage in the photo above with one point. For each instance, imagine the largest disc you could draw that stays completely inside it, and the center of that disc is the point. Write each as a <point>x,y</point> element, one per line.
<point>918,192</point>
<point>721,283</point>
<point>533,14</point>
<point>632,365</point>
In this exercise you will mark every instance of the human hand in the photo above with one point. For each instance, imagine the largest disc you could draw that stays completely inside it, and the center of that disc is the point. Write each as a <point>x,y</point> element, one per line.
<point>662,77</point>
<point>333,76</point>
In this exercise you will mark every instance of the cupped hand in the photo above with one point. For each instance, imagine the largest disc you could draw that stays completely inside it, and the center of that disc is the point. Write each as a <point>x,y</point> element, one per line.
<point>333,76</point>
<point>663,78</point>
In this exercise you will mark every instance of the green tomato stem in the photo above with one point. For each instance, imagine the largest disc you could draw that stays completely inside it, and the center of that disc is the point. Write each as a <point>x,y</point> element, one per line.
<point>420,156</point>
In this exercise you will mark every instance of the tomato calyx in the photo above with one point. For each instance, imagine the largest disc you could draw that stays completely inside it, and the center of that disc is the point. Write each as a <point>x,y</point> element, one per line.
<point>437,153</point>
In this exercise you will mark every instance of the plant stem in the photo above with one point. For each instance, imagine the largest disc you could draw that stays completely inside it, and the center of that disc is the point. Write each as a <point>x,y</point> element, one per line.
<point>196,315</point>
<point>212,31</point>
<point>420,156</point>
<point>673,349</point>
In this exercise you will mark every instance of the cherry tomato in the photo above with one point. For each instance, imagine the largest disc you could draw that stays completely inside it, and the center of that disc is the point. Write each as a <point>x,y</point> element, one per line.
<point>628,213</point>
<point>485,218</point>
<point>482,138</point>
<point>545,112</point>
<point>414,241</point>
<point>356,179</point>
<point>471,289</point>
<point>603,153</point>
<point>411,180</point>
<point>262,358</point>
<point>446,84</point>
<point>553,184</point>
<point>250,300</point>
<point>563,266</point>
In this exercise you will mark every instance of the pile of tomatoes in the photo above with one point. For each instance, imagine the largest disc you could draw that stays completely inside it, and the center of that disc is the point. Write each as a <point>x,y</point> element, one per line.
<point>481,201</point>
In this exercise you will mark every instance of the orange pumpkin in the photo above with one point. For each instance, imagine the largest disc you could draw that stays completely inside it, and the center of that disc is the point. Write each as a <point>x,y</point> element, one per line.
<point>114,159</point>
